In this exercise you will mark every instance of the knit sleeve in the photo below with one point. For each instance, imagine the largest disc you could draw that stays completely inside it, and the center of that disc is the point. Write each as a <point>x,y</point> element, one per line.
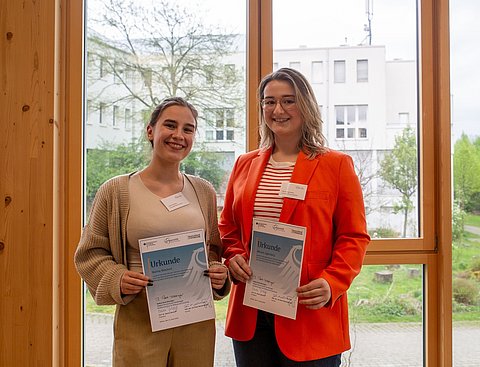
<point>94,259</point>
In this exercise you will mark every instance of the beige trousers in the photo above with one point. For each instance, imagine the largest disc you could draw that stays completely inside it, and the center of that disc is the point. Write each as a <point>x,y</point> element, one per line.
<point>136,345</point>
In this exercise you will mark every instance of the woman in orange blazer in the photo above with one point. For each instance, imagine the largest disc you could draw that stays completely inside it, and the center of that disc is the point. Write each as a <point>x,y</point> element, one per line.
<point>292,149</point>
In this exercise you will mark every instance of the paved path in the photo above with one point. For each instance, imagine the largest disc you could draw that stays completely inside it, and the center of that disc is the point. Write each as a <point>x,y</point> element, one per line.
<point>382,345</point>
<point>472,229</point>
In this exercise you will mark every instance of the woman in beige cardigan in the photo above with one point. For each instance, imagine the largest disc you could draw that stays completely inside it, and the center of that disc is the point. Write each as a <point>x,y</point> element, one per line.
<point>127,208</point>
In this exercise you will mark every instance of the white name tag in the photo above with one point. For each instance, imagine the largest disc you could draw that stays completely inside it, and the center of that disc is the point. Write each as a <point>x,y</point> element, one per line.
<point>293,190</point>
<point>175,201</point>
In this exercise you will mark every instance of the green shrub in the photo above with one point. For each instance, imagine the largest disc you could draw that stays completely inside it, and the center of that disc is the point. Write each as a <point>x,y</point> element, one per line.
<point>465,291</point>
<point>475,266</point>
<point>458,221</point>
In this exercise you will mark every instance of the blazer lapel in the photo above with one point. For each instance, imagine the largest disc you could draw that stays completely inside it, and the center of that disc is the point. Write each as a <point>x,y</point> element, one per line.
<point>302,174</point>
<point>254,175</point>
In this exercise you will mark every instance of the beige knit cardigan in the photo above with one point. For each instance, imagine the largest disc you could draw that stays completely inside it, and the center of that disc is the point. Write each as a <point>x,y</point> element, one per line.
<point>100,257</point>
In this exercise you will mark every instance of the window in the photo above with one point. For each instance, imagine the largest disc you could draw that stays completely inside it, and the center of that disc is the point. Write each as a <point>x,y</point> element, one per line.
<point>317,71</point>
<point>223,120</point>
<point>339,71</point>
<point>229,73</point>
<point>103,67</point>
<point>403,118</point>
<point>128,118</point>
<point>115,116</point>
<point>405,246</point>
<point>295,65</point>
<point>102,110</point>
<point>362,71</point>
<point>351,122</point>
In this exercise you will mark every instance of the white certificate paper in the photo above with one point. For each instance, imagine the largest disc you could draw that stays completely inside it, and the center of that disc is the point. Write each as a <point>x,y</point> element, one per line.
<point>276,262</point>
<point>180,294</point>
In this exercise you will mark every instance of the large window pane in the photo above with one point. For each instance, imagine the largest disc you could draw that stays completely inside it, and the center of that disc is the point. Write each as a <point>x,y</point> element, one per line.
<point>137,53</point>
<point>369,77</point>
<point>465,31</point>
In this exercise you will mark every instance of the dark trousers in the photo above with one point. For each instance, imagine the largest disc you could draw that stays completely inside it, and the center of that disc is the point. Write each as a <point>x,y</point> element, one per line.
<point>263,350</point>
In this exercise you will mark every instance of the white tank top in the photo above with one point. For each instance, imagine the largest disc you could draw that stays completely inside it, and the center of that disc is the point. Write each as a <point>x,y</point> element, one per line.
<point>148,217</point>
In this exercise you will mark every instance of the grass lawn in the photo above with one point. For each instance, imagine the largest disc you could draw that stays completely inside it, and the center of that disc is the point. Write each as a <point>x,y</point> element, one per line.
<point>472,220</point>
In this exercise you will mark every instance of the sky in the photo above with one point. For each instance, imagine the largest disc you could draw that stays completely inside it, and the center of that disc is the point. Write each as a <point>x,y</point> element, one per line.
<point>393,24</point>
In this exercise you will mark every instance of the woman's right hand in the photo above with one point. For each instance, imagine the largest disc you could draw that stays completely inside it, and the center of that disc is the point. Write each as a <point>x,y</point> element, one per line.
<point>239,268</point>
<point>133,282</point>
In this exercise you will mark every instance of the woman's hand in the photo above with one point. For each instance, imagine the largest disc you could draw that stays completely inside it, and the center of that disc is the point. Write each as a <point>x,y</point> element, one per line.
<point>239,268</point>
<point>315,294</point>
<point>133,282</point>
<point>218,274</point>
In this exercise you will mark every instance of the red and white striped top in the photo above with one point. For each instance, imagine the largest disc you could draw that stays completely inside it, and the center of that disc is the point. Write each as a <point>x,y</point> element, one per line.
<point>268,204</point>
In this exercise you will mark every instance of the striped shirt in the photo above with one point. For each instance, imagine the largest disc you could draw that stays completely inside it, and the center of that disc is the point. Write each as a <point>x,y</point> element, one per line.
<point>268,204</point>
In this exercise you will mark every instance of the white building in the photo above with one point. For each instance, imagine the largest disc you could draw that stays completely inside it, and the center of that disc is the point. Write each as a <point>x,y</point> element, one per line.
<point>365,102</point>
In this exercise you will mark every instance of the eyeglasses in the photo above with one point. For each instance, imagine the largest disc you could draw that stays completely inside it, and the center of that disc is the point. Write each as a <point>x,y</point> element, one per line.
<point>269,104</point>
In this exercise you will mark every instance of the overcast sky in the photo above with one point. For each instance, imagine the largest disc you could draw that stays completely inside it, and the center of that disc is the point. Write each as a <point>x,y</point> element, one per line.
<point>333,23</point>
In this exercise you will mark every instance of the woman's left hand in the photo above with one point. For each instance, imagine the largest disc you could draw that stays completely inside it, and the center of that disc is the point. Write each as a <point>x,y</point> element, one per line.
<point>315,294</point>
<point>218,275</point>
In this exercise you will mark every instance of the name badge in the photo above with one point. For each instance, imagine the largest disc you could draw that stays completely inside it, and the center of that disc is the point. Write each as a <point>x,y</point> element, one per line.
<point>175,201</point>
<point>293,191</point>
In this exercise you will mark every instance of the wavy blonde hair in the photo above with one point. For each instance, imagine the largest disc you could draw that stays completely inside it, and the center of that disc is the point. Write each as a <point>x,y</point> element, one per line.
<point>312,141</point>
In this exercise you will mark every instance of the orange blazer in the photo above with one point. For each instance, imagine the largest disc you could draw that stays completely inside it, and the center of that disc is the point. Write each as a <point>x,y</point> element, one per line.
<point>336,240</point>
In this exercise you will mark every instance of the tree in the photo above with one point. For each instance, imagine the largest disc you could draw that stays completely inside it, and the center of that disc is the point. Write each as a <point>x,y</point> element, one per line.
<point>170,50</point>
<point>466,168</point>
<point>112,160</point>
<point>399,169</point>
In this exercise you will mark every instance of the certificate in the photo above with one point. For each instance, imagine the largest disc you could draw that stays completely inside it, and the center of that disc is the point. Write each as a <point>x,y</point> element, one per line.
<point>276,261</point>
<point>180,294</point>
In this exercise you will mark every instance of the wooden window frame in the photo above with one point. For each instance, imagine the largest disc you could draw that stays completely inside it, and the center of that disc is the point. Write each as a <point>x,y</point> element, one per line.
<point>432,248</point>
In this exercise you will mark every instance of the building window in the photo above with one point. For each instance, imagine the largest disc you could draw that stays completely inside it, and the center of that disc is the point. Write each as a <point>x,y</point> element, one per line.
<point>404,118</point>
<point>362,71</point>
<point>102,110</point>
<point>294,65</point>
<point>317,71</point>
<point>220,124</point>
<point>115,116</point>
<point>103,67</point>
<point>118,72</point>
<point>229,72</point>
<point>275,66</point>
<point>128,119</point>
<point>339,71</point>
<point>351,121</point>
